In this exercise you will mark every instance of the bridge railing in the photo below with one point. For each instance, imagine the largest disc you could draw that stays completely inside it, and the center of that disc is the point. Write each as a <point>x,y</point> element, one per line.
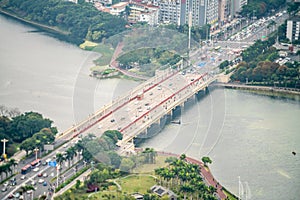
<point>114,105</point>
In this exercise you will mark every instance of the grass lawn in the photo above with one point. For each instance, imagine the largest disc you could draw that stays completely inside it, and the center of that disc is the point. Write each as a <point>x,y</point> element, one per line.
<point>106,54</point>
<point>99,68</point>
<point>136,183</point>
<point>105,50</point>
<point>87,44</point>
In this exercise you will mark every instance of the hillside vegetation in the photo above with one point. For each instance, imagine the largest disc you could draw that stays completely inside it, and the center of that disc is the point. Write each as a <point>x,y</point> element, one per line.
<point>80,21</point>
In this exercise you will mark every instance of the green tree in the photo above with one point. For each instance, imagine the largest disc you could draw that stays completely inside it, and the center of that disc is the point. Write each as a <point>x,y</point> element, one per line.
<point>206,160</point>
<point>126,165</point>
<point>182,157</point>
<point>77,185</point>
<point>60,158</point>
<point>25,125</point>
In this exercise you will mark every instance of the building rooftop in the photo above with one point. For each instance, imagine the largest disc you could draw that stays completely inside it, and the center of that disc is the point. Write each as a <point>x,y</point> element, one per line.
<point>120,5</point>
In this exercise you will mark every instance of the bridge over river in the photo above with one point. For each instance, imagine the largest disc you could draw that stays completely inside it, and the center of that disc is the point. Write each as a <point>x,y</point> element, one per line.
<point>144,108</point>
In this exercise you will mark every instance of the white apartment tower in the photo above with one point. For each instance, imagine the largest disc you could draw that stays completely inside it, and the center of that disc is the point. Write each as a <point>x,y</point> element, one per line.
<point>170,11</point>
<point>293,29</point>
<point>203,12</point>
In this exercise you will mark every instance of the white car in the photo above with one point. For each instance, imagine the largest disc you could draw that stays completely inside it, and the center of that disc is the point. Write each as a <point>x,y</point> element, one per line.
<point>33,183</point>
<point>36,169</point>
<point>45,175</point>
<point>41,181</point>
<point>23,177</point>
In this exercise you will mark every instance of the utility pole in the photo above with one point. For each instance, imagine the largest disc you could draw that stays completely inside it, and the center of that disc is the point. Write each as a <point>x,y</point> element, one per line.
<point>190,26</point>
<point>189,45</point>
<point>4,142</point>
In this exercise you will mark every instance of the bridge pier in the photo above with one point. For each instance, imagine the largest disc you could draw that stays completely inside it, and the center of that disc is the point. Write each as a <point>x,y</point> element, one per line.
<point>177,111</point>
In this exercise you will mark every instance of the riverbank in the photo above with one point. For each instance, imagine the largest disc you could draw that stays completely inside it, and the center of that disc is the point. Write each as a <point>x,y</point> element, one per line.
<point>40,26</point>
<point>291,93</point>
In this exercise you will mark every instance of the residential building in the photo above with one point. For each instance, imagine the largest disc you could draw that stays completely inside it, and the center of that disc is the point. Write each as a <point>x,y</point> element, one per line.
<point>203,12</point>
<point>212,12</point>
<point>170,11</point>
<point>118,8</point>
<point>221,11</point>
<point>236,6</point>
<point>293,28</point>
<point>143,13</point>
<point>104,2</point>
<point>227,10</point>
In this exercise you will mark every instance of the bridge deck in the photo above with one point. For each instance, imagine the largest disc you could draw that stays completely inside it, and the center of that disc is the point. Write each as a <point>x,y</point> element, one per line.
<point>146,104</point>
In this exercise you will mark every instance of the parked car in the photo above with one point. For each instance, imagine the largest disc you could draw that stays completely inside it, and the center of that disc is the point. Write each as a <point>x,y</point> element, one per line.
<point>4,189</point>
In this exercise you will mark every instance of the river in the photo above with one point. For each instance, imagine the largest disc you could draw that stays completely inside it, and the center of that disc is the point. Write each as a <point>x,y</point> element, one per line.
<point>246,135</point>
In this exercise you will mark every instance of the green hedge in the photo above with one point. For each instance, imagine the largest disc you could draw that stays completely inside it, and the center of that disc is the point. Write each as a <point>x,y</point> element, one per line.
<point>72,178</point>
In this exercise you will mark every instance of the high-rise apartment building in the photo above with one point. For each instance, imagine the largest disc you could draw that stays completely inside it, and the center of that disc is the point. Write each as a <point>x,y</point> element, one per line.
<point>236,6</point>
<point>203,12</point>
<point>293,28</point>
<point>170,11</point>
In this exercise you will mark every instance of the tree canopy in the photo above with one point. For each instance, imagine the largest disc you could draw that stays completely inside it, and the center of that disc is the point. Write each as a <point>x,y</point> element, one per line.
<point>260,8</point>
<point>80,21</point>
<point>21,127</point>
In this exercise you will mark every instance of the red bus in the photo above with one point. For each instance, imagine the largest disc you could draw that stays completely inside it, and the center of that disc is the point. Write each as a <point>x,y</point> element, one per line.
<point>26,169</point>
<point>35,162</point>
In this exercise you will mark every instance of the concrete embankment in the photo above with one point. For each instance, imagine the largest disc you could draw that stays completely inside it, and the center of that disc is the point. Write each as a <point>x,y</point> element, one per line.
<point>276,91</point>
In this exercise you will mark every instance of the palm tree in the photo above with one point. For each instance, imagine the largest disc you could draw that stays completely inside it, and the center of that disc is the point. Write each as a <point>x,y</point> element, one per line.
<point>186,188</point>
<point>26,188</point>
<point>12,162</point>
<point>159,172</point>
<point>1,170</point>
<point>182,157</point>
<point>7,169</point>
<point>74,151</point>
<point>70,155</point>
<point>79,148</point>
<point>150,155</point>
<point>60,158</point>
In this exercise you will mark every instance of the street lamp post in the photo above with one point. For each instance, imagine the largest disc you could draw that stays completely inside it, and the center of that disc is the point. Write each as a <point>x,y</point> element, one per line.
<point>57,175</point>
<point>36,151</point>
<point>4,142</point>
